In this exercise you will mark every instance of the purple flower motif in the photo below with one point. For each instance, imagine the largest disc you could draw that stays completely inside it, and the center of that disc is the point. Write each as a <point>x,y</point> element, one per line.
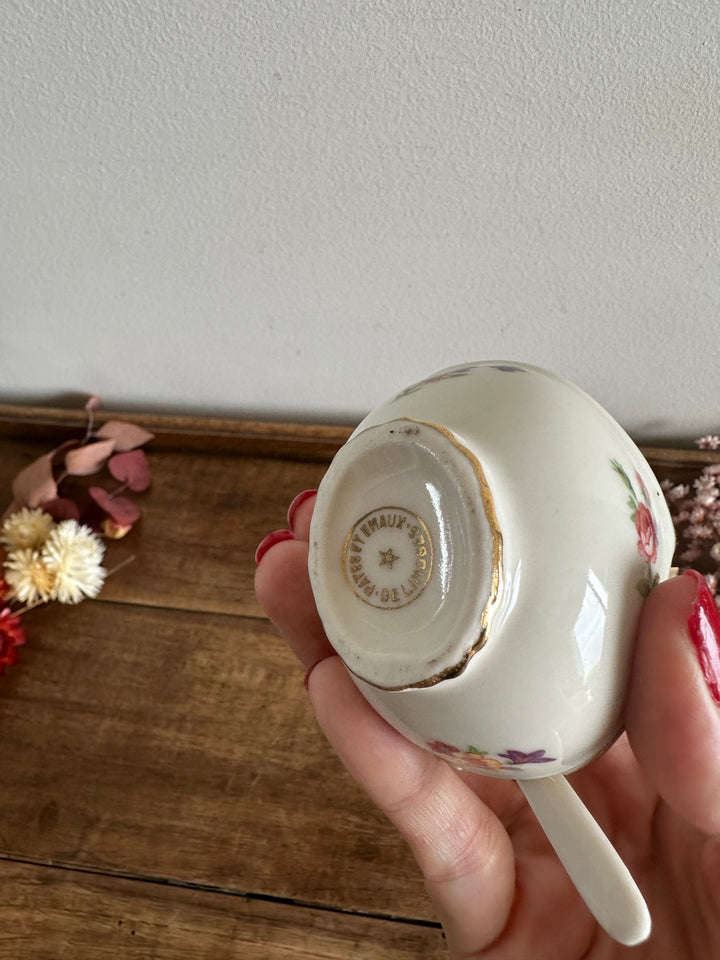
<point>518,756</point>
<point>507,368</point>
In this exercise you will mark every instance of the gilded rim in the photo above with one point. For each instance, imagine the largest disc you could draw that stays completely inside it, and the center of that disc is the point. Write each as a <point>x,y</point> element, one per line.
<point>496,580</point>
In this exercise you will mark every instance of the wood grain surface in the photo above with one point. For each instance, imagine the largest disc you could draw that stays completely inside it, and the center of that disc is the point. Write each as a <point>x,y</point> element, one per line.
<point>166,793</point>
<point>50,914</point>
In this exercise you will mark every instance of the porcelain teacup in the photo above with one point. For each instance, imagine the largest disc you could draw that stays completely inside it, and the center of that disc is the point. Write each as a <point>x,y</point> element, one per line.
<point>479,554</point>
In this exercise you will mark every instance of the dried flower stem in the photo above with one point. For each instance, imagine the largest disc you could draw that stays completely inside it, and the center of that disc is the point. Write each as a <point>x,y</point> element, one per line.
<point>123,563</point>
<point>29,606</point>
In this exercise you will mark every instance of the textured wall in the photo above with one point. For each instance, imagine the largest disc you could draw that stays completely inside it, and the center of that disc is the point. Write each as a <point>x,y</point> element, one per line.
<point>291,208</point>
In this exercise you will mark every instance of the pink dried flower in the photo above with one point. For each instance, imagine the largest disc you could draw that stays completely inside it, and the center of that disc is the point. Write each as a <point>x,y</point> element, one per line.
<point>678,492</point>
<point>695,512</point>
<point>700,531</point>
<point>706,490</point>
<point>704,482</point>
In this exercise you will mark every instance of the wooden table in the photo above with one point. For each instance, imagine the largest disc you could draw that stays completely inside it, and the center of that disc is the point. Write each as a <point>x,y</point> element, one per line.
<point>166,794</point>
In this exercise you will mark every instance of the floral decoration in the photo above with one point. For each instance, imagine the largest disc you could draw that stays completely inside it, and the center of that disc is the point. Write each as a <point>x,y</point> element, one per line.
<point>645,527</point>
<point>483,760</point>
<point>12,634</point>
<point>446,375</point>
<point>455,372</point>
<point>695,511</point>
<point>53,543</point>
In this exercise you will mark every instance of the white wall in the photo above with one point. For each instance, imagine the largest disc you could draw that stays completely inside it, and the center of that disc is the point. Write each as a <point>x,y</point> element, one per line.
<point>259,207</point>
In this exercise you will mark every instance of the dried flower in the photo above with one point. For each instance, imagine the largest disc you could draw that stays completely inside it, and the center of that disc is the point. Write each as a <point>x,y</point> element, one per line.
<point>29,579</point>
<point>699,531</point>
<point>12,636</point>
<point>114,530</point>
<point>695,511</point>
<point>72,555</point>
<point>27,529</point>
<point>678,492</point>
<point>46,553</point>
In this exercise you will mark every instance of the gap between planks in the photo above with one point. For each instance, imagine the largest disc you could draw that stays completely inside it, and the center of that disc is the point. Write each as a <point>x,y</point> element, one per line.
<point>248,895</point>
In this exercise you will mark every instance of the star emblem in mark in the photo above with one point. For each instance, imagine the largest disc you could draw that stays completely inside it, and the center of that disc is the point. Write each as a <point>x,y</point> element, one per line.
<point>388,558</point>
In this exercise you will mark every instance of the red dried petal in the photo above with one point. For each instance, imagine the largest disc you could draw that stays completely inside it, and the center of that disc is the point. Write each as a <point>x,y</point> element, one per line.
<point>131,468</point>
<point>127,436</point>
<point>11,635</point>
<point>62,509</point>
<point>122,510</point>
<point>35,484</point>
<point>89,458</point>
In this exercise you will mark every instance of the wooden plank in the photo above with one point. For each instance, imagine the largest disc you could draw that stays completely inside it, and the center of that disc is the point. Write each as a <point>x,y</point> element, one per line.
<point>49,913</point>
<point>210,506</point>
<point>147,743</point>
<point>201,522</point>
<point>266,437</point>
<point>163,732</point>
<point>309,441</point>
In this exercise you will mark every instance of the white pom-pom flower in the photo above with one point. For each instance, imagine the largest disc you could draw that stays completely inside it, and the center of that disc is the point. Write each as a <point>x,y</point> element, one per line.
<point>29,579</point>
<point>72,555</point>
<point>26,529</point>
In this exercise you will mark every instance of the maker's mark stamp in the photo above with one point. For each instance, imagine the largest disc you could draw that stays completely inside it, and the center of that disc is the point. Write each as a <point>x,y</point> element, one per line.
<point>387,557</point>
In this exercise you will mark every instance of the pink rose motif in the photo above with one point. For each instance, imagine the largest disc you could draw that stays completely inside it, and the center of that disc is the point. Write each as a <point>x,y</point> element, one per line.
<point>647,536</point>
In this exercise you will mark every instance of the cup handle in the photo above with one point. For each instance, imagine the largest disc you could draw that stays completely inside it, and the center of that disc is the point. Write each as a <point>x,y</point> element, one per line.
<point>593,864</point>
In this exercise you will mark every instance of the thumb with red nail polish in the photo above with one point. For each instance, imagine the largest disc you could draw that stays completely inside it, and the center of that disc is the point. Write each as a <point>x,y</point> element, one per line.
<point>673,709</point>
<point>704,630</point>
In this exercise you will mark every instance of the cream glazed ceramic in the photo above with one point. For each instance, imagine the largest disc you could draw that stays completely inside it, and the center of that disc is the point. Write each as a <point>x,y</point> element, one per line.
<point>480,551</point>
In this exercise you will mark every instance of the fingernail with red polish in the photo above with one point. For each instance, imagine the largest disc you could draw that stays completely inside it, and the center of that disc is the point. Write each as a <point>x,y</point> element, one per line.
<point>306,681</point>
<point>277,536</point>
<point>704,627</point>
<point>298,502</point>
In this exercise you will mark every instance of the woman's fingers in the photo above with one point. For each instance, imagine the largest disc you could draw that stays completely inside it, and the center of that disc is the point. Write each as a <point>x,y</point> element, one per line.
<point>282,586</point>
<point>282,583</point>
<point>673,713</point>
<point>461,847</point>
<point>300,513</point>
